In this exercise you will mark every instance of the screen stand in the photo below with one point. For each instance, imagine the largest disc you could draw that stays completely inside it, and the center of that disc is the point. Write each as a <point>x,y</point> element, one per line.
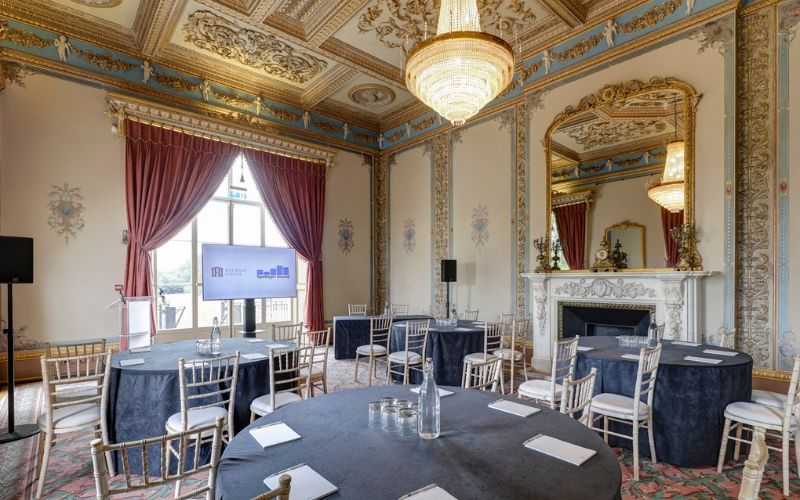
<point>249,318</point>
<point>14,432</point>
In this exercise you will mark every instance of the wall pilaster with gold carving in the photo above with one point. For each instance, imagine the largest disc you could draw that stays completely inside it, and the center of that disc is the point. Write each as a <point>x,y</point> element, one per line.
<point>522,212</point>
<point>380,230</point>
<point>441,217</point>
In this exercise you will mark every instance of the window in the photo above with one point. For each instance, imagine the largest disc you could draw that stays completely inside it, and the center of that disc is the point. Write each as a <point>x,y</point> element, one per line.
<point>235,215</point>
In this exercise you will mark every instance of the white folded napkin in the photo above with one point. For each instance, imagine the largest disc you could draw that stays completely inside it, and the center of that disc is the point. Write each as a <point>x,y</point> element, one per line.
<point>681,342</point>
<point>254,355</point>
<point>559,449</point>
<point>131,362</point>
<point>306,483</point>
<point>141,349</point>
<point>430,492</point>
<point>585,348</point>
<point>631,356</point>
<point>703,360</point>
<point>274,433</point>
<point>463,329</point>
<point>513,408</point>
<point>254,340</point>
<point>720,353</point>
<point>442,392</point>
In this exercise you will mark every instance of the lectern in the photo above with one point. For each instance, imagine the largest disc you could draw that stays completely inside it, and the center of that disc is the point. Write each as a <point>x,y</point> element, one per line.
<point>135,321</point>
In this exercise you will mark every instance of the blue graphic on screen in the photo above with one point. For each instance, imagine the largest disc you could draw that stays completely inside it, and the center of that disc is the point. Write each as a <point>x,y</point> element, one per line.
<point>248,272</point>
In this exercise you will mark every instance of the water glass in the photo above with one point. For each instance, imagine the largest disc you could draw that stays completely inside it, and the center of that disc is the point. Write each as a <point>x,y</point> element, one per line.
<point>388,402</point>
<point>389,418</point>
<point>403,404</point>
<point>407,422</point>
<point>375,409</point>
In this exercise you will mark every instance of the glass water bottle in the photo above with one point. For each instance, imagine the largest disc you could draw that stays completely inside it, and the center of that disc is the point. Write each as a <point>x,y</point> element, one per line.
<point>428,422</point>
<point>216,338</point>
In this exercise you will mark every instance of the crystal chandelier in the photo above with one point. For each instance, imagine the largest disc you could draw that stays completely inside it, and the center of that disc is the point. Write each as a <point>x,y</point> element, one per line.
<point>669,192</point>
<point>461,69</point>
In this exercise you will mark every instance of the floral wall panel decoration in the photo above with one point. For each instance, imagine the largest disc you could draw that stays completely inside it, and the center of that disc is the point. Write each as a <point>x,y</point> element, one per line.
<point>66,211</point>
<point>346,240</point>
<point>480,226</point>
<point>409,235</point>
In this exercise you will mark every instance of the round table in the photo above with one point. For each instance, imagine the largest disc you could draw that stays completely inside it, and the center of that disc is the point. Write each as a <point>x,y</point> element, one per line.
<point>350,332</point>
<point>690,396</point>
<point>447,346</point>
<point>142,397</point>
<point>479,453</point>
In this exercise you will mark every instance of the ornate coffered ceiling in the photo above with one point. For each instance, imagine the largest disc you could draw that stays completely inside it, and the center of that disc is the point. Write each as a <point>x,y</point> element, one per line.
<point>342,58</point>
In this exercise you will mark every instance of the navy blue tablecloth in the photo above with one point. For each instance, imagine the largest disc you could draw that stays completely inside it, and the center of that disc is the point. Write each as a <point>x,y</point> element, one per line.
<point>689,401</point>
<point>447,346</point>
<point>350,332</point>
<point>480,453</point>
<point>142,397</point>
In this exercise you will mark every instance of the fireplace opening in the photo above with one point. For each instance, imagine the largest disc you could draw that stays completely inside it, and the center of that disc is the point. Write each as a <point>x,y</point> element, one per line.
<point>603,320</point>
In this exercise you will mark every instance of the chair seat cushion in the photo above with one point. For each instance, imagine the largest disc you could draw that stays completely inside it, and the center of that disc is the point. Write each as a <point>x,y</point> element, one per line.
<point>757,414</point>
<point>539,389</point>
<point>366,350</point>
<point>65,392</point>
<point>507,353</point>
<point>263,404</point>
<point>768,398</point>
<point>618,405</point>
<point>400,357</point>
<point>196,417</point>
<point>478,357</point>
<point>316,372</point>
<point>72,416</point>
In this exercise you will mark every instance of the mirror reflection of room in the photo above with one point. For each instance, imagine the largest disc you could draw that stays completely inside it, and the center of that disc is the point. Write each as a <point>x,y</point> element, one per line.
<point>617,176</point>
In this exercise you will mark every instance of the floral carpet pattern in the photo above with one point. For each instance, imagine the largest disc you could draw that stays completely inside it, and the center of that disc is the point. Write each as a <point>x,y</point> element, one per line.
<point>70,472</point>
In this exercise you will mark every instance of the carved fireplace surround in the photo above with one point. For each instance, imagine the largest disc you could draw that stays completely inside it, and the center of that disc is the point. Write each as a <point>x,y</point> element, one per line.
<point>674,294</point>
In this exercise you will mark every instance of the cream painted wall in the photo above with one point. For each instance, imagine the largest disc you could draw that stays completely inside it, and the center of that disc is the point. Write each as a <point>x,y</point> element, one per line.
<point>793,263</point>
<point>705,72</point>
<point>482,175</point>
<point>347,275</point>
<point>56,132</point>
<point>410,272</point>
<point>626,200</point>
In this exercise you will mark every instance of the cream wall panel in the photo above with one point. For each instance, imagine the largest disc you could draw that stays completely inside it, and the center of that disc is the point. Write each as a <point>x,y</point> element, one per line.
<point>705,72</point>
<point>410,272</point>
<point>347,275</point>
<point>794,198</point>
<point>56,132</point>
<point>482,175</point>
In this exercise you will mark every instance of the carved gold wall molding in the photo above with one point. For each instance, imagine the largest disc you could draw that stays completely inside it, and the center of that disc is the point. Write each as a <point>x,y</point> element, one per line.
<point>609,132</point>
<point>255,49</point>
<point>441,216</point>
<point>522,211</point>
<point>99,3</point>
<point>380,229</point>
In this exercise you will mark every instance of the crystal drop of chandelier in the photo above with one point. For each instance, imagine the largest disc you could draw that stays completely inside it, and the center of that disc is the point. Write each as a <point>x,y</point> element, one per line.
<point>461,69</point>
<point>669,193</point>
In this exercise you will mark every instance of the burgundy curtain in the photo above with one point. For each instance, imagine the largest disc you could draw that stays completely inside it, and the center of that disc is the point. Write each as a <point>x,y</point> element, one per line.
<point>668,221</point>
<point>571,225</point>
<point>169,177</point>
<point>294,192</point>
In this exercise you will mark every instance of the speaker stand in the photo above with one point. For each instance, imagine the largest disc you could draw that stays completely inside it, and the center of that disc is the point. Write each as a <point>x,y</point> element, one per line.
<point>13,432</point>
<point>447,298</point>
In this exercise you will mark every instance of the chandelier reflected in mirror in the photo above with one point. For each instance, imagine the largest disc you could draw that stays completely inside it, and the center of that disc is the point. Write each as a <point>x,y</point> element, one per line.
<point>461,69</point>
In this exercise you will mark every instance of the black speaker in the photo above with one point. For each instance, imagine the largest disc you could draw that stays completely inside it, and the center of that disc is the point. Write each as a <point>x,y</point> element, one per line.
<point>448,271</point>
<point>16,259</point>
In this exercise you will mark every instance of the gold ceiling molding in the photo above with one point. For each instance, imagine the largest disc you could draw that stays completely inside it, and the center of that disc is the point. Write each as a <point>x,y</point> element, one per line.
<point>604,132</point>
<point>326,85</point>
<point>121,107</point>
<point>263,51</point>
<point>99,3</point>
<point>371,95</point>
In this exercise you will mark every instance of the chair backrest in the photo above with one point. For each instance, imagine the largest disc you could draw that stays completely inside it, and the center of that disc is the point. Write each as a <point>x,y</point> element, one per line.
<point>416,336</point>
<point>380,330</point>
<point>471,315</point>
<point>193,438</point>
<point>792,407</point>
<point>286,370</point>
<point>492,337</point>
<point>357,309</point>
<point>520,328</point>
<point>754,466</point>
<point>660,330</point>
<point>576,396</point>
<point>74,372</point>
<point>727,338</point>
<point>279,493</point>
<point>507,318</point>
<point>76,349</point>
<point>483,375</point>
<point>399,309</point>
<point>646,377</point>
<point>565,353</point>
<point>319,355</point>
<point>205,383</point>
<point>287,333</point>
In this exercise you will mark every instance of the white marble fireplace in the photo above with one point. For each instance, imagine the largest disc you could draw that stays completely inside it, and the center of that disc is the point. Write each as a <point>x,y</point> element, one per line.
<point>675,295</point>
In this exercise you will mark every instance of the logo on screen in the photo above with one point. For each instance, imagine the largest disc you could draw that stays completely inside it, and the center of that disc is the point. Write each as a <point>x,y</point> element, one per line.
<point>277,272</point>
<point>217,272</point>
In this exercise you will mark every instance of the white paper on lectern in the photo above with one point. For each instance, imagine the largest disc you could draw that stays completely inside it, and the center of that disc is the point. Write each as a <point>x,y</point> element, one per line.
<point>138,317</point>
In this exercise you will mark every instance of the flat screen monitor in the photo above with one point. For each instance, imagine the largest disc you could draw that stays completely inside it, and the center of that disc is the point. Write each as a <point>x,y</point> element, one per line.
<point>16,259</point>
<point>248,272</point>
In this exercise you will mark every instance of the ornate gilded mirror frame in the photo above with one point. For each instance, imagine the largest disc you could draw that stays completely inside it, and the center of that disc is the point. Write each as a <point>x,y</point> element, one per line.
<point>630,225</point>
<point>618,92</point>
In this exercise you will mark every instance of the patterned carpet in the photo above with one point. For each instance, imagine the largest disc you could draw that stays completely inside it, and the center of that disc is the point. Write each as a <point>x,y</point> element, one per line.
<point>70,472</point>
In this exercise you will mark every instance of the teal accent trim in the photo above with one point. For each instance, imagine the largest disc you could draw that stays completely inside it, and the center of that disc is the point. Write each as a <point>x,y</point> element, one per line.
<point>528,205</point>
<point>512,150</point>
<point>729,266</point>
<point>787,343</point>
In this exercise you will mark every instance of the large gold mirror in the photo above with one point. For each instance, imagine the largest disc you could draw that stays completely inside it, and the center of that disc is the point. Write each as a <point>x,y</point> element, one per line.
<point>624,153</point>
